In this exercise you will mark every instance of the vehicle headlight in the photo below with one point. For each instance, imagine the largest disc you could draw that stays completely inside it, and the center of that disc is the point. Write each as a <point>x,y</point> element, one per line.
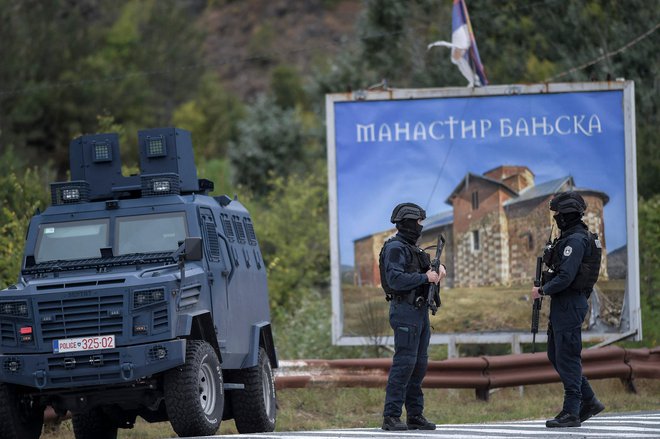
<point>14,309</point>
<point>72,194</point>
<point>147,297</point>
<point>161,186</point>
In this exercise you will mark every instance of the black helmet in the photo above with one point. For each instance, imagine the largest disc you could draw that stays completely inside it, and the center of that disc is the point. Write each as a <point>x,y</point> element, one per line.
<point>407,211</point>
<point>568,202</point>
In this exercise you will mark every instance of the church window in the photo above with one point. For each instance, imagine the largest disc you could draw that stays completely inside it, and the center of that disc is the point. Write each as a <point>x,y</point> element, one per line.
<point>475,200</point>
<point>475,240</point>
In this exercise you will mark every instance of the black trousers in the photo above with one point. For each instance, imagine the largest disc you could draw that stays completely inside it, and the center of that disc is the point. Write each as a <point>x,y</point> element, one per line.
<point>411,341</point>
<point>567,312</point>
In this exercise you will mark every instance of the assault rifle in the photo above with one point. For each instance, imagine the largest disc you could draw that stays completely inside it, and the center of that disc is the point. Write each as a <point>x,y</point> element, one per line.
<point>536,307</point>
<point>434,289</point>
<point>539,278</point>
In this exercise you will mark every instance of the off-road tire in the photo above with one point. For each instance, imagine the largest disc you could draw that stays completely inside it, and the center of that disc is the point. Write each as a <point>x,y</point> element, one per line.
<point>194,393</point>
<point>94,424</point>
<point>19,419</point>
<point>255,407</point>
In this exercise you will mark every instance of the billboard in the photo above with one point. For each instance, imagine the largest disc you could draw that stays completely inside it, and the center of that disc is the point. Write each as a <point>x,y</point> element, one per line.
<point>483,163</point>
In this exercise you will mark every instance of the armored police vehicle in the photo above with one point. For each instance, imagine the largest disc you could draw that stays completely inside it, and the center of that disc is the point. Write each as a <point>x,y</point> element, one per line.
<point>138,296</point>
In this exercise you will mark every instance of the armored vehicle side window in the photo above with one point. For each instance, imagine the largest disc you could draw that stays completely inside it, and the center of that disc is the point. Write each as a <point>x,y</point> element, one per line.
<point>226,226</point>
<point>240,233</point>
<point>71,240</point>
<point>150,233</point>
<point>249,229</point>
<point>211,235</point>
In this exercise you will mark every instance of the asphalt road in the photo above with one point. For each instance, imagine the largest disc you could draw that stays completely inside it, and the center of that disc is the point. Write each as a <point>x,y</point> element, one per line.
<point>621,425</point>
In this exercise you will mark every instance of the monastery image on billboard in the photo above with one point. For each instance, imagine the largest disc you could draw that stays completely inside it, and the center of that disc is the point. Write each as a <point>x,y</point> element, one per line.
<point>496,227</point>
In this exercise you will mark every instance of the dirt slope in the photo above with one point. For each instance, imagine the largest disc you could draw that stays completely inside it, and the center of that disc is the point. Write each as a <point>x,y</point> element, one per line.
<point>248,38</point>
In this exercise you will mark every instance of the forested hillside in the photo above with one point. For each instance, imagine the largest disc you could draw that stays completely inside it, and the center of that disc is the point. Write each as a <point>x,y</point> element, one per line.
<point>248,78</point>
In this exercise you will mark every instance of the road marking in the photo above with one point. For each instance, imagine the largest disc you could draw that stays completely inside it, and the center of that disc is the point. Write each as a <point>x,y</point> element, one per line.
<point>641,425</point>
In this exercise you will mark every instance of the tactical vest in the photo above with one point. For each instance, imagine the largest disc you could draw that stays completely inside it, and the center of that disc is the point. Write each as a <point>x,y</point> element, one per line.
<point>587,275</point>
<point>420,262</point>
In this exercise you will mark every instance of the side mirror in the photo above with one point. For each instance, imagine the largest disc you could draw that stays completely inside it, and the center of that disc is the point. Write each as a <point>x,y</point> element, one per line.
<point>189,250</point>
<point>193,249</point>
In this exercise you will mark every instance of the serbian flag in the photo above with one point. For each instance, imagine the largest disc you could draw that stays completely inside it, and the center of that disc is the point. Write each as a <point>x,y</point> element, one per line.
<point>464,52</point>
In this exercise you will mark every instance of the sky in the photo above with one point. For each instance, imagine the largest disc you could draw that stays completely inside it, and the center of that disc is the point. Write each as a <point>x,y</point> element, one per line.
<point>419,151</point>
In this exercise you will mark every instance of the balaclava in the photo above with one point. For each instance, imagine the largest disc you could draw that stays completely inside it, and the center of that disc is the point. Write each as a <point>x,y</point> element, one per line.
<point>409,230</point>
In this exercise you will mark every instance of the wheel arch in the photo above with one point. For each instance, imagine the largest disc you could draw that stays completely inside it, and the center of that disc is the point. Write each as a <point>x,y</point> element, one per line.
<point>200,327</point>
<point>261,336</point>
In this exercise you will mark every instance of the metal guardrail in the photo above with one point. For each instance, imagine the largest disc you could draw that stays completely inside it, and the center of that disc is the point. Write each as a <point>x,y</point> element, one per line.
<point>479,373</point>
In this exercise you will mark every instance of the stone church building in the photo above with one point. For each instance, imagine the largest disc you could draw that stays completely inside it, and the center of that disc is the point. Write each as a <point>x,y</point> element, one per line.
<point>498,225</point>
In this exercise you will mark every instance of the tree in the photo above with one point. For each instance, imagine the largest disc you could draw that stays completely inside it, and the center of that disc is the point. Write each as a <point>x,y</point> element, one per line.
<point>66,63</point>
<point>292,227</point>
<point>382,35</point>
<point>649,267</point>
<point>21,193</point>
<point>649,249</point>
<point>287,87</point>
<point>212,117</point>
<point>271,144</point>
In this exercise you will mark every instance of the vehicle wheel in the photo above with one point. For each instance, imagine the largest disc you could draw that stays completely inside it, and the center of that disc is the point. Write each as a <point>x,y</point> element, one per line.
<point>20,417</point>
<point>255,407</point>
<point>194,394</point>
<point>94,424</point>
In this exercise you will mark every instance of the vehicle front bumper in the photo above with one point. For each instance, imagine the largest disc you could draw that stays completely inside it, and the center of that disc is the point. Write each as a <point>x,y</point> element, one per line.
<point>102,367</point>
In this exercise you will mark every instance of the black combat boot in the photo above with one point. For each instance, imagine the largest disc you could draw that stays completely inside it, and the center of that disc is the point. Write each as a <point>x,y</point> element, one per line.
<point>393,423</point>
<point>419,422</point>
<point>591,408</point>
<point>563,419</point>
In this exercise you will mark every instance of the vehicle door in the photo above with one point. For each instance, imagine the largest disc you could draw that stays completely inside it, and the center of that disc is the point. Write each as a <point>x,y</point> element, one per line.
<point>218,268</point>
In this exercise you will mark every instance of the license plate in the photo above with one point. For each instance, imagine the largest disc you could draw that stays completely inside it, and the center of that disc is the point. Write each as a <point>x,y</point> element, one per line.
<point>84,344</point>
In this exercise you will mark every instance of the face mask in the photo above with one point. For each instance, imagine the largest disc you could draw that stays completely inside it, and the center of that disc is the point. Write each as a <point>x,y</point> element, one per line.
<point>559,220</point>
<point>410,230</point>
<point>567,220</point>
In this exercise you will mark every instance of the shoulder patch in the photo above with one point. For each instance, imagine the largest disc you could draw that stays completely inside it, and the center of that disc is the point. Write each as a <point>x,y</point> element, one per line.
<point>568,250</point>
<point>597,241</point>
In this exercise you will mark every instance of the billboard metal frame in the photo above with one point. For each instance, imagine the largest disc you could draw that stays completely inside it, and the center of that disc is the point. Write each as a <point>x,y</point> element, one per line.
<point>632,305</point>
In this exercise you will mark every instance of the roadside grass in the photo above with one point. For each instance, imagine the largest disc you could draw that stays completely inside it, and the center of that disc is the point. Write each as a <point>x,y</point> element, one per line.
<point>325,408</point>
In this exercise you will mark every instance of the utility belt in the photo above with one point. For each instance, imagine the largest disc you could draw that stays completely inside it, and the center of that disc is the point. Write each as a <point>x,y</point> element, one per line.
<point>408,298</point>
<point>411,298</point>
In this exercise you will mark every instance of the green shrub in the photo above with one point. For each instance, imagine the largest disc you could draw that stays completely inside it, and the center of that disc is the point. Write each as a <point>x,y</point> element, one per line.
<point>21,193</point>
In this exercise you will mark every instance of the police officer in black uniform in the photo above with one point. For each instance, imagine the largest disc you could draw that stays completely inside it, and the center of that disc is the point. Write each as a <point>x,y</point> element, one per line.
<point>406,276</point>
<point>574,262</point>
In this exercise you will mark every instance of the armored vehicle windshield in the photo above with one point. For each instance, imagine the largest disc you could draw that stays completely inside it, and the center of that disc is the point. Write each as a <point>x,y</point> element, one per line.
<point>138,234</point>
<point>149,233</point>
<point>71,240</point>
